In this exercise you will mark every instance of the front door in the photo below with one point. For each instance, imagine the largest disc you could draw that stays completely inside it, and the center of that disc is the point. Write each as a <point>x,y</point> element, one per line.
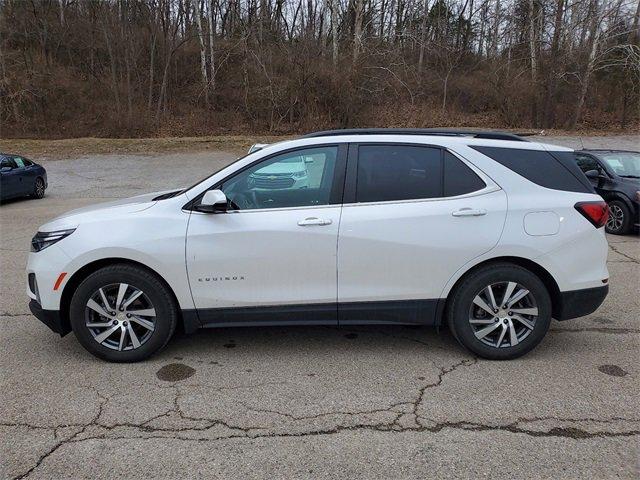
<point>9,178</point>
<point>412,216</point>
<point>271,258</point>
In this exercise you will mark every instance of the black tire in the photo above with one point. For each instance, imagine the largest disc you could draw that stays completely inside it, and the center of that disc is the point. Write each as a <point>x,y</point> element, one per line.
<point>461,301</point>
<point>161,298</point>
<point>621,223</point>
<point>38,188</point>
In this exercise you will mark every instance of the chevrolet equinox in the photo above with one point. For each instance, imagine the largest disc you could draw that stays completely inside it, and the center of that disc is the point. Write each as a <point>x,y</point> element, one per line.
<point>486,232</point>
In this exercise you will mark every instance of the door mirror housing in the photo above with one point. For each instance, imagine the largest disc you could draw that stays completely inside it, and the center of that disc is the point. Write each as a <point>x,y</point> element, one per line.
<point>595,175</point>
<point>213,201</point>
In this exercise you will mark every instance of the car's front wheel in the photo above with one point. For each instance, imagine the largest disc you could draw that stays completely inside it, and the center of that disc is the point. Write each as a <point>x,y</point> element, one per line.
<point>123,313</point>
<point>619,221</point>
<point>500,311</point>
<point>38,188</point>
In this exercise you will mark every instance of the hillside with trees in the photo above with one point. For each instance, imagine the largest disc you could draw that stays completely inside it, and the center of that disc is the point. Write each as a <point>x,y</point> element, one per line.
<point>128,68</point>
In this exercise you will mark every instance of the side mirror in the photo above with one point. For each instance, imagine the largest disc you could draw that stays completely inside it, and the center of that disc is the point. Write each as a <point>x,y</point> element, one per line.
<point>5,169</point>
<point>595,175</point>
<point>213,201</point>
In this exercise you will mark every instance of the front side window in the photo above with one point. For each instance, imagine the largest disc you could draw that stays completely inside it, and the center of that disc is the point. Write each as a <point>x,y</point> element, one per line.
<point>300,178</point>
<point>587,163</point>
<point>398,172</point>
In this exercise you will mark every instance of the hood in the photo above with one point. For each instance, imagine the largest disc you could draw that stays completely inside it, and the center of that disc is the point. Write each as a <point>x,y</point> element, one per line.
<point>281,168</point>
<point>73,218</point>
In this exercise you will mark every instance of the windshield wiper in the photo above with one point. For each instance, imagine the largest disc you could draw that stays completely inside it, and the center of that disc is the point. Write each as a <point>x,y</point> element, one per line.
<point>630,176</point>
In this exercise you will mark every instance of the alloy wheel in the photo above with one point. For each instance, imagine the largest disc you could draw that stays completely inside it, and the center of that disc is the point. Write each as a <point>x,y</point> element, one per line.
<point>616,218</point>
<point>503,314</point>
<point>120,316</point>
<point>39,188</point>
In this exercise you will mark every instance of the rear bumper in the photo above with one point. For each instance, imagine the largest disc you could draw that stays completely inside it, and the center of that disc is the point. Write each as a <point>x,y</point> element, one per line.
<point>578,303</point>
<point>51,318</point>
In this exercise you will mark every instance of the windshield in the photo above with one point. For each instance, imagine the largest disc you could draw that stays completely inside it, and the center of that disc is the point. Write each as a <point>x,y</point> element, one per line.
<point>624,164</point>
<point>209,176</point>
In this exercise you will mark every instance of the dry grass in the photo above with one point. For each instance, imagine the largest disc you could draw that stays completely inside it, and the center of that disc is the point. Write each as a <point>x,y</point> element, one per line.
<point>75,147</point>
<point>236,144</point>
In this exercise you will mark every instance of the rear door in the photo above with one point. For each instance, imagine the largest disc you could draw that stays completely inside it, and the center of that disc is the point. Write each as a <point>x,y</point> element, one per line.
<point>412,216</point>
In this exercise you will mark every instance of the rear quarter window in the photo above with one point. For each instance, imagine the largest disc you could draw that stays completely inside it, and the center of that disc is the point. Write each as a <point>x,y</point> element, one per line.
<point>458,178</point>
<point>555,170</point>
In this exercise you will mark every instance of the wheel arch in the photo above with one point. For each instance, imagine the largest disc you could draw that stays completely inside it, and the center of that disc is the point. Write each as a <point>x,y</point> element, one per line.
<point>535,268</point>
<point>186,324</point>
<point>620,196</point>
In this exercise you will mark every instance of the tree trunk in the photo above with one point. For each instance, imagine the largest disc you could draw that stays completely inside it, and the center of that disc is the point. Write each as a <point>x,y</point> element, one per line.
<point>551,83</point>
<point>334,31</point>
<point>534,60</point>
<point>212,53</point>
<point>203,50</point>
<point>594,38</point>
<point>423,38</point>
<point>357,29</point>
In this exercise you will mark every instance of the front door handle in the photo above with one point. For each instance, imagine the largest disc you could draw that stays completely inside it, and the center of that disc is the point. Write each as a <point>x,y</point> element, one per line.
<point>469,212</point>
<point>313,221</point>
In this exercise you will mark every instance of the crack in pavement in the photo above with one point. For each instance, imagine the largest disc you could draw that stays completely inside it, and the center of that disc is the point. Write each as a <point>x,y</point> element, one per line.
<point>146,431</point>
<point>616,250</point>
<point>614,330</point>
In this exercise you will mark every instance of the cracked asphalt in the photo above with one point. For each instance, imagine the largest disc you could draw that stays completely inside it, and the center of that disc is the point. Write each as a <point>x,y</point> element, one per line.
<point>314,402</point>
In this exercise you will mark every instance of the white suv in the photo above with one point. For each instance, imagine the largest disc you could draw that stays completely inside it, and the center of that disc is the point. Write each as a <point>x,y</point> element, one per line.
<point>486,232</point>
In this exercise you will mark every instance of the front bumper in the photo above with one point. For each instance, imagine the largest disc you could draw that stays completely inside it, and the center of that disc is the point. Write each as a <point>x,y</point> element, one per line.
<point>51,318</point>
<point>578,303</point>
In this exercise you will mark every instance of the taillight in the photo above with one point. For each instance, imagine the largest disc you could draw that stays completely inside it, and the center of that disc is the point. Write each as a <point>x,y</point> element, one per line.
<point>596,212</point>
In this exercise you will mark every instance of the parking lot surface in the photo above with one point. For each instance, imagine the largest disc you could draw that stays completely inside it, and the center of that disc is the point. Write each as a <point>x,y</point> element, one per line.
<point>300,402</point>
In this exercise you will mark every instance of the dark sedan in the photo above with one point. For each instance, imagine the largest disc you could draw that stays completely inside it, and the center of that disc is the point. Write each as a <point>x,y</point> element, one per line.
<point>615,174</point>
<point>21,177</point>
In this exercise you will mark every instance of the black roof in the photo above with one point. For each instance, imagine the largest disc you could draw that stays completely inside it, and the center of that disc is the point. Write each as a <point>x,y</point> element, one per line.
<point>486,134</point>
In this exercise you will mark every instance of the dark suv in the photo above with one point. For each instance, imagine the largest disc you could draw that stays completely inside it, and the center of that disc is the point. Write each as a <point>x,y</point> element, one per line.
<point>615,174</point>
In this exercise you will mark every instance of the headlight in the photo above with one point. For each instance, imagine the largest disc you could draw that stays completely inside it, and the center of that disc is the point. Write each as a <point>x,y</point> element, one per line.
<point>300,174</point>
<point>42,240</point>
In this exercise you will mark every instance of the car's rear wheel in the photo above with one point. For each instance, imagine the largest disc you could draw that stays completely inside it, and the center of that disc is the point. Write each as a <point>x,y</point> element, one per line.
<point>38,188</point>
<point>123,313</point>
<point>619,221</point>
<point>500,311</point>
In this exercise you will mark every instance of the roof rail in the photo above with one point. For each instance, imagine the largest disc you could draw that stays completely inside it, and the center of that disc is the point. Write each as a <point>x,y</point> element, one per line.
<point>487,134</point>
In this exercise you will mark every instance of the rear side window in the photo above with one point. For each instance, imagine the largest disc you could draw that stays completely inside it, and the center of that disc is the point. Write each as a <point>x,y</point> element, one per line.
<point>548,170</point>
<point>458,178</point>
<point>398,172</point>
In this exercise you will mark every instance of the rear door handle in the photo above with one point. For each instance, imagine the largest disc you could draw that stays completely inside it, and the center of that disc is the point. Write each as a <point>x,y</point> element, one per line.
<point>469,212</point>
<point>313,221</point>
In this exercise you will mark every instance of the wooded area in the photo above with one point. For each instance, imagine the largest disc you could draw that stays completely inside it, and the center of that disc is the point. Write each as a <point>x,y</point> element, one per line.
<point>192,67</point>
